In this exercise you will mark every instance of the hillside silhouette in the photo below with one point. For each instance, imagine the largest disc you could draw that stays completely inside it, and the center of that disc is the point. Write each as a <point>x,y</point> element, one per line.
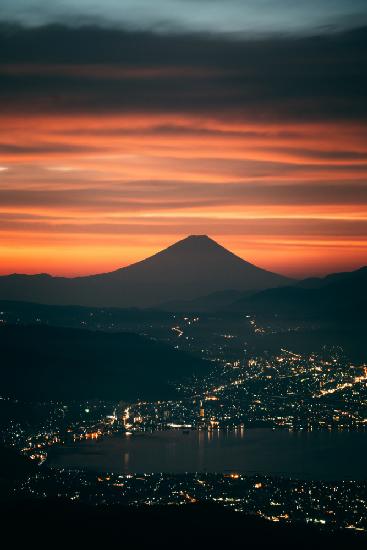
<point>188,269</point>
<point>40,362</point>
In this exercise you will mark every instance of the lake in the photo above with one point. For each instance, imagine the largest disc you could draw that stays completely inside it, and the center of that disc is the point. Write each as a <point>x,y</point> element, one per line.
<point>307,455</point>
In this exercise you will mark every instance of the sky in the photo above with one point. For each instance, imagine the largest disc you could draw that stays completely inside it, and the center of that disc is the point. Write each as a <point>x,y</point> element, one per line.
<point>127,125</point>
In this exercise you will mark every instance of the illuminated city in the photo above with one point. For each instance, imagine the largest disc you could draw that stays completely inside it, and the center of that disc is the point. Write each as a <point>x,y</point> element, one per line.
<point>183,274</point>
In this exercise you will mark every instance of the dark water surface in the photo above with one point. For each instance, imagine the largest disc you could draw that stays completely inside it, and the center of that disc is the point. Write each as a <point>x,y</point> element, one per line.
<point>317,455</point>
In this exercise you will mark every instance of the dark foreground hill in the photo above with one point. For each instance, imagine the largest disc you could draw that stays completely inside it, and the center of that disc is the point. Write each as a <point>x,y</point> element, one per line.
<point>39,362</point>
<point>190,268</point>
<point>193,526</point>
<point>27,522</point>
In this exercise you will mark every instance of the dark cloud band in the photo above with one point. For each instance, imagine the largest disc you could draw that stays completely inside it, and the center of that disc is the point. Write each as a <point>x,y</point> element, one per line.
<point>318,78</point>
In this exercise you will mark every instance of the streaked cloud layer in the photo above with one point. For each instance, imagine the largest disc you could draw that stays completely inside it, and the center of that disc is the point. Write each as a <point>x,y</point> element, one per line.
<point>212,16</point>
<point>115,143</point>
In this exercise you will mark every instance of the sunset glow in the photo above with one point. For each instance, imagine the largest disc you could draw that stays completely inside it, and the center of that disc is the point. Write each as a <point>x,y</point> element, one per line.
<point>105,161</point>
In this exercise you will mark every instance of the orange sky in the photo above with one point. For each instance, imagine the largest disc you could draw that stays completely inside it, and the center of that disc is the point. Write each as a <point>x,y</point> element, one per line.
<point>86,193</point>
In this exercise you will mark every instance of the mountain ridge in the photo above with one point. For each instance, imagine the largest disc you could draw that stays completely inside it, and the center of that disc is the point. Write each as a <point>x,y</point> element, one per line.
<point>338,294</point>
<point>65,363</point>
<point>185,270</point>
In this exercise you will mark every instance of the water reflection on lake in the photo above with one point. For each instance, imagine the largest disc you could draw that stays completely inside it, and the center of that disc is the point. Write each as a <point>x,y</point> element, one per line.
<point>319,455</point>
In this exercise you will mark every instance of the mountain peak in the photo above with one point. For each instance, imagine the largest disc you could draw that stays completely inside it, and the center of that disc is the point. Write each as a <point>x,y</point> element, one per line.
<point>197,237</point>
<point>195,242</point>
<point>192,267</point>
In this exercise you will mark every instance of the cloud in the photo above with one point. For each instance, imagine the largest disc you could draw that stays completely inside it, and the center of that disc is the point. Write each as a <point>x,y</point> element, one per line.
<point>117,142</point>
<point>58,69</point>
<point>44,149</point>
<point>148,197</point>
<point>210,16</point>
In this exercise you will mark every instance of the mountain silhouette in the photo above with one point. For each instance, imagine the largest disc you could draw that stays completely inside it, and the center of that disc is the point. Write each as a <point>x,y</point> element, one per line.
<point>43,363</point>
<point>190,268</point>
<point>339,295</point>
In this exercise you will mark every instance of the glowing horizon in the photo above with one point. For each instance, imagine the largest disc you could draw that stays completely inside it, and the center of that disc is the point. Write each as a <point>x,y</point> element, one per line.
<point>108,156</point>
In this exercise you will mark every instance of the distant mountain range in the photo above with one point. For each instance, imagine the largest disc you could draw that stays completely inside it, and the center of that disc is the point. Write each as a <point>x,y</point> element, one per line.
<point>339,294</point>
<point>197,274</point>
<point>191,268</point>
